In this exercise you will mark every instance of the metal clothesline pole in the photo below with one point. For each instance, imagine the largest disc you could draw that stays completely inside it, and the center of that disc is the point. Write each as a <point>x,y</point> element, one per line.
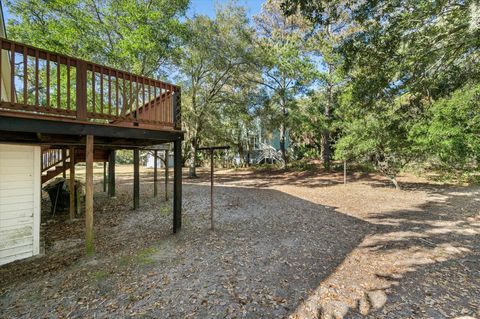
<point>211,149</point>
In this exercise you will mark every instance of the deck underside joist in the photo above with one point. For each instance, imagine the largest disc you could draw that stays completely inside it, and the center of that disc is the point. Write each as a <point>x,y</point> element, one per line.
<point>58,133</point>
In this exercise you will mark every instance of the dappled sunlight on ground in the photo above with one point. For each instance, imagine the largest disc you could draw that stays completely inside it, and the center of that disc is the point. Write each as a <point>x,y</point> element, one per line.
<point>404,241</point>
<point>298,245</point>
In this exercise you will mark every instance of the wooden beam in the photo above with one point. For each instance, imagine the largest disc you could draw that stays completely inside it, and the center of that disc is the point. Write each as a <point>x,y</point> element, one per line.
<point>136,178</point>
<point>89,247</point>
<point>62,126</point>
<point>72,183</point>
<point>166,175</point>
<point>155,175</point>
<point>104,177</point>
<point>177,186</point>
<point>111,174</point>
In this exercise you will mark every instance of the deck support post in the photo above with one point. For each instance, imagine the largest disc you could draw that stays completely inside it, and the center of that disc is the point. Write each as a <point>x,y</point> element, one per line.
<point>104,177</point>
<point>136,178</point>
<point>166,175</point>
<point>177,185</point>
<point>64,163</point>
<point>71,185</point>
<point>111,173</point>
<point>155,175</point>
<point>211,188</point>
<point>89,247</point>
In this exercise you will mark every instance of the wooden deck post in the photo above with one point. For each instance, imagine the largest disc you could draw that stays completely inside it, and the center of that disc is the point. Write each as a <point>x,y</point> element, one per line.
<point>64,163</point>
<point>177,185</point>
<point>111,173</point>
<point>71,185</point>
<point>166,175</point>
<point>136,179</point>
<point>89,195</point>
<point>81,90</point>
<point>155,177</point>
<point>104,177</point>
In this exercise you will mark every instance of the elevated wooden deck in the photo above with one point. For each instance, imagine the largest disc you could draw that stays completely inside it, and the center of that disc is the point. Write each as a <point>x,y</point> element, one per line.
<point>50,93</point>
<point>82,111</point>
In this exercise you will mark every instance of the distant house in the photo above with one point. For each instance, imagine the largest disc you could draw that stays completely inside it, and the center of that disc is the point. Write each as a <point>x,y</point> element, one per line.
<point>266,145</point>
<point>150,161</point>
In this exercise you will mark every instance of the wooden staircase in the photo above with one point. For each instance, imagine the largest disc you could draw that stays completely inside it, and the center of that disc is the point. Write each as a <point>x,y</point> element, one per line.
<point>55,161</point>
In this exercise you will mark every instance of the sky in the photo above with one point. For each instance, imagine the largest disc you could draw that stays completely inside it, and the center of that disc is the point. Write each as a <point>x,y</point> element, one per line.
<point>207,7</point>
<point>204,7</point>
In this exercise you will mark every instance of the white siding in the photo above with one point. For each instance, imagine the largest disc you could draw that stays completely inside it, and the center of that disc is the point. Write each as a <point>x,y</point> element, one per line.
<point>19,202</point>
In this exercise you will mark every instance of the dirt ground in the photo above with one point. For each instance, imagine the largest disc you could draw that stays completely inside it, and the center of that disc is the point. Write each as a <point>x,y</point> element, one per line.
<point>286,245</point>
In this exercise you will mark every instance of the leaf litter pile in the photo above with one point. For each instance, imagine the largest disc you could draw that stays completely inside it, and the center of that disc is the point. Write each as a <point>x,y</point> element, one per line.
<point>286,245</point>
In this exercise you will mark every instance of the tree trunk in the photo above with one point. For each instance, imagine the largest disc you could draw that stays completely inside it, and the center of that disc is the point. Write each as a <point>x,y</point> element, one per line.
<point>241,154</point>
<point>282,145</point>
<point>326,151</point>
<point>249,154</point>
<point>192,172</point>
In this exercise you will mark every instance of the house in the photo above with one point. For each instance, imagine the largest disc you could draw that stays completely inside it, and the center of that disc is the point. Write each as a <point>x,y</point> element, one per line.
<point>56,111</point>
<point>266,145</point>
<point>154,152</point>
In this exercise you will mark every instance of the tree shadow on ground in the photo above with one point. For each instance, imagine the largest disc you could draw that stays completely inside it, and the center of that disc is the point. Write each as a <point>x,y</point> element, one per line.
<point>268,251</point>
<point>423,261</point>
<point>265,179</point>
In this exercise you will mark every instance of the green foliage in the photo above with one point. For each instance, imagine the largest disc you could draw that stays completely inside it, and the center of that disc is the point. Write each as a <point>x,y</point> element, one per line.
<point>406,63</point>
<point>215,55</point>
<point>382,83</point>
<point>137,36</point>
<point>281,52</point>
<point>124,157</point>
<point>449,133</point>
<point>380,137</point>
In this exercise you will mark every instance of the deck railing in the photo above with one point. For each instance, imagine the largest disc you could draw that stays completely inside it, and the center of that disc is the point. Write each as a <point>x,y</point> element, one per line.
<point>48,84</point>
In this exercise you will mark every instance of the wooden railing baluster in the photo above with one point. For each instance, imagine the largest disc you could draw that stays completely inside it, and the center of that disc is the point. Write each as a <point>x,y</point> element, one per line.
<point>12,73</point>
<point>143,97</point>
<point>93,90</point>
<point>116,93</point>
<point>25,76</point>
<point>139,100</point>
<point>130,102</point>
<point>109,93</point>
<point>58,84</point>
<point>37,84</point>
<point>68,84</point>
<point>101,90</point>
<point>48,80</point>
<point>137,116</point>
<point>124,96</point>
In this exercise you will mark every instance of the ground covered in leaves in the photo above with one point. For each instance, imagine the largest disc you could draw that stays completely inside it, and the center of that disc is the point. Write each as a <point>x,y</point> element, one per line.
<point>298,245</point>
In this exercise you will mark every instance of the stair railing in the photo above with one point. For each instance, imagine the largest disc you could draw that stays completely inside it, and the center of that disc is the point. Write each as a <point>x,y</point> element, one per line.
<point>53,157</point>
